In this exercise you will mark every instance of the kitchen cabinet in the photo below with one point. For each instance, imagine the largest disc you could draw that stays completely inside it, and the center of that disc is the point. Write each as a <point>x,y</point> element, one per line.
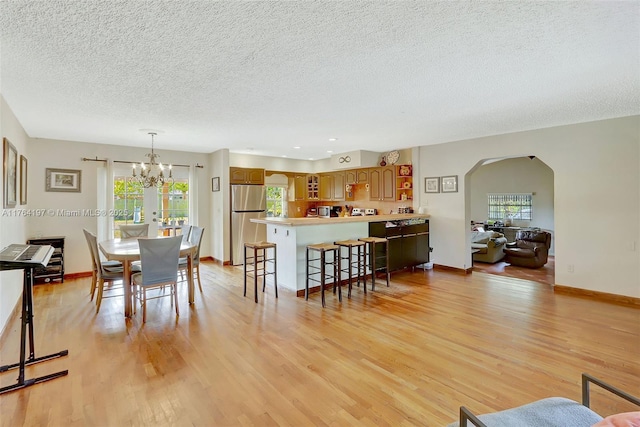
<point>332,186</point>
<point>408,242</point>
<point>246,176</point>
<point>54,270</point>
<point>382,184</point>
<point>313,187</point>
<point>357,176</point>
<point>300,187</point>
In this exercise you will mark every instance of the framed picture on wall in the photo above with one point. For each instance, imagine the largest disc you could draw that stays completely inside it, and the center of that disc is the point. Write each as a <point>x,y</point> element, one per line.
<point>63,180</point>
<point>23,180</point>
<point>432,185</point>
<point>215,183</point>
<point>10,173</point>
<point>449,184</point>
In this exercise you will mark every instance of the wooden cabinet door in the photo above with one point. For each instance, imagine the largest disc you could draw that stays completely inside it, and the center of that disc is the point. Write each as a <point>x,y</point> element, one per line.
<point>374,183</point>
<point>255,176</point>
<point>351,176</point>
<point>387,184</point>
<point>237,175</point>
<point>326,187</point>
<point>362,176</point>
<point>300,187</point>
<point>338,186</point>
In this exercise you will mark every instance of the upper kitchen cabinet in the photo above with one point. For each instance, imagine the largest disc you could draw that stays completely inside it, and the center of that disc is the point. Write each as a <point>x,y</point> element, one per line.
<point>357,176</point>
<point>246,176</point>
<point>332,186</point>
<point>300,187</point>
<point>313,187</point>
<point>382,184</point>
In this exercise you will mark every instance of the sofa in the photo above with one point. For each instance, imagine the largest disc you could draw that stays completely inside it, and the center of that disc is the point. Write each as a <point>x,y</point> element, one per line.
<point>489,246</point>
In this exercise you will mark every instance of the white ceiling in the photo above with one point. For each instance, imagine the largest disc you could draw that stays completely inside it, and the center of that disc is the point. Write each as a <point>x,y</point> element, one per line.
<point>263,77</point>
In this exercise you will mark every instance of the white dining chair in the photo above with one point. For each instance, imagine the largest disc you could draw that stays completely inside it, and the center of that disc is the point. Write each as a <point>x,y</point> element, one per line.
<point>128,231</point>
<point>159,258</point>
<point>195,238</point>
<point>105,274</point>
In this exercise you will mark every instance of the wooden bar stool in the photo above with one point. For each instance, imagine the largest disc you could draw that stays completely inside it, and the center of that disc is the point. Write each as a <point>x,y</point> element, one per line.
<point>313,270</point>
<point>258,263</point>
<point>359,263</point>
<point>373,256</point>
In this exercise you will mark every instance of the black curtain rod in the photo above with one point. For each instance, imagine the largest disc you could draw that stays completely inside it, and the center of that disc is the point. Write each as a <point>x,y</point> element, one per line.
<point>86,159</point>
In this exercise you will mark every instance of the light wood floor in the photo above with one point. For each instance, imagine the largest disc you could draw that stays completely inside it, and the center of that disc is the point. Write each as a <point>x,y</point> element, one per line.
<point>406,355</point>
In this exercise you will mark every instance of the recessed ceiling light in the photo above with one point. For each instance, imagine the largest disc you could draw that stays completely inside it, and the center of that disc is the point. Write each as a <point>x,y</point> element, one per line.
<point>284,155</point>
<point>329,151</point>
<point>297,148</point>
<point>310,158</point>
<point>333,139</point>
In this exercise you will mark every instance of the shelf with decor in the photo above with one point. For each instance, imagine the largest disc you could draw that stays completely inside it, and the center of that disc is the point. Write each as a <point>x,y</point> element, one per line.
<point>404,182</point>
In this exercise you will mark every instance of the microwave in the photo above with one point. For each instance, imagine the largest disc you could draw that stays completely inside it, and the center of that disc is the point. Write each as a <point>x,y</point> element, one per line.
<point>324,211</point>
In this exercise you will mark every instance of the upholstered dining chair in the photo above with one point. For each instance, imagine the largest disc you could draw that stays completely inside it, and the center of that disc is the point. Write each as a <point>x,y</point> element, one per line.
<point>196,239</point>
<point>159,259</point>
<point>105,274</point>
<point>128,231</point>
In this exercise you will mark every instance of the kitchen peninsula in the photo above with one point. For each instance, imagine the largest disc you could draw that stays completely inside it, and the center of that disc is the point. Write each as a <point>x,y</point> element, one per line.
<point>409,234</point>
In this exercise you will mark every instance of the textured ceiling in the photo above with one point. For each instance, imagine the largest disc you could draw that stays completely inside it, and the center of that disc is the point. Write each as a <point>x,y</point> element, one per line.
<point>263,77</point>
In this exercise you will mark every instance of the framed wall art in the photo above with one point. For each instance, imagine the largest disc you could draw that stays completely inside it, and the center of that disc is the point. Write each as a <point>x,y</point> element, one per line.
<point>432,185</point>
<point>449,184</point>
<point>215,183</point>
<point>23,180</point>
<point>63,180</point>
<point>10,173</point>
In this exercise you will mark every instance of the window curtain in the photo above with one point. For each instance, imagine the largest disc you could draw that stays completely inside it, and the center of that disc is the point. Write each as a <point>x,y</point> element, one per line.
<point>104,194</point>
<point>193,195</point>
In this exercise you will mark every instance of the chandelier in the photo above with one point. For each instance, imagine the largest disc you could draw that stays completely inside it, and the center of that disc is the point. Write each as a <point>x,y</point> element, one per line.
<point>151,174</point>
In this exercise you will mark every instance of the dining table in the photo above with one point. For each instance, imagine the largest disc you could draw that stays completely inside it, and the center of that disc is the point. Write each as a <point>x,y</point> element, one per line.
<point>127,251</point>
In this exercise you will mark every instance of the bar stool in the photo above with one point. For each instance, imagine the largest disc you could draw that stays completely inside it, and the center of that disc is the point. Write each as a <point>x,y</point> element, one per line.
<point>360,261</point>
<point>370,249</point>
<point>258,262</point>
<point>312,270</point>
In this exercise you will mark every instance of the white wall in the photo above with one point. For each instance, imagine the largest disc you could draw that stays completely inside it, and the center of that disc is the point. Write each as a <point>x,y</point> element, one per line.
<point>219,207</point>
<point>519,175</point>
<point>596,205</point>
<point>13,228</point>
<point>47,153</point>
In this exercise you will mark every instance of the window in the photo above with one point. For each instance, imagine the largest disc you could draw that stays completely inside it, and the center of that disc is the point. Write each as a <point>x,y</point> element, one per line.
<point>516,206</point>
<point>276,201</point>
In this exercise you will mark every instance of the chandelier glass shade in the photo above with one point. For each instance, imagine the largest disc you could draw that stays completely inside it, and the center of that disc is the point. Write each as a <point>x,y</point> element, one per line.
<point>152,173</point>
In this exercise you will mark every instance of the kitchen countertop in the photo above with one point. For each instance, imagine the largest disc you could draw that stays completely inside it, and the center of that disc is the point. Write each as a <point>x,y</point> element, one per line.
<point>336,220</point>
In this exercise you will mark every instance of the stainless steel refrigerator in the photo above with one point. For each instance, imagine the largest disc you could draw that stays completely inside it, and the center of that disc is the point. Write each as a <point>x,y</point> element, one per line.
<point>247,202</point>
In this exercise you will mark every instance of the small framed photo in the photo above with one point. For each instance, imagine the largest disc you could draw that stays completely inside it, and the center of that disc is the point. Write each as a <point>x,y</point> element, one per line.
<point>449,184</point>
<point>63,180</point>
<point>23,180</point>
<point>432,185</point>
<point>215,183</point>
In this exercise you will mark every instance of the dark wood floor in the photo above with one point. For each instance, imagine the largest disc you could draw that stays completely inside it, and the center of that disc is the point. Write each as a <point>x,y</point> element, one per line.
<point>406,355</point>
<point>544,274</point>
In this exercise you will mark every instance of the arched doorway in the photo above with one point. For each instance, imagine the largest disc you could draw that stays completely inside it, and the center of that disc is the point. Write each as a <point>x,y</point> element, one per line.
<point>522,176</point>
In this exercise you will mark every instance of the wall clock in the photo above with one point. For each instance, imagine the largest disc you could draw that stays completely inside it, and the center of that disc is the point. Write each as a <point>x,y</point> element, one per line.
<point>393,157</point>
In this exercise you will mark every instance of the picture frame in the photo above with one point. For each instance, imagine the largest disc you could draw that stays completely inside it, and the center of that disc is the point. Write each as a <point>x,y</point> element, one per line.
<point>10,174</point>
<point>215,183</point>
<point>449,184</point>
<point>432,184</point>
<point>63,180</point>
<point>23,180</point>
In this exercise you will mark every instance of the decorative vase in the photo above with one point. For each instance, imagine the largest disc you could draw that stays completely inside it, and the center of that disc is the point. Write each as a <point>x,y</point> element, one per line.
<point>383,162</point>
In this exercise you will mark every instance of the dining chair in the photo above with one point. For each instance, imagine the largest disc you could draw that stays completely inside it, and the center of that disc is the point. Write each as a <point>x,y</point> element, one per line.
<point>159,269</point>
<point>128,231</point>
<point>104,274</point>
<point>195,238</point>
<point>185,232</point>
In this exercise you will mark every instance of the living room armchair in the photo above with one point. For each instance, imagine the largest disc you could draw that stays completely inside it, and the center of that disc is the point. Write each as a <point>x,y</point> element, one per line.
<point>531,249</point>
